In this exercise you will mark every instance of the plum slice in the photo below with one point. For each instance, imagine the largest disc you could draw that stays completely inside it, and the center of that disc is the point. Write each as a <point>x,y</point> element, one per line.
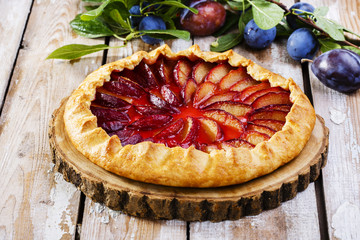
<point>268,114</point>
<point>145,70</point>
<point>123,134</point>
<point>250,99</point>
<point>204,92</point>
<point>169,96</point>
<point>106,114</point>
<point>225,118</point>
<point>149,110</point>
<point>106,100</point>
<point>272,98</point>
<point>164,70</point>
<point>125,87</point>
<point>182,71</point>
<point>261,129</point>
<point>150,122</point>
<point>210,130</point>
<point>217,73</point>
<point>232,78</point>
<point>252,89</point>
<point>200,70</point>
<point>179,102</point>
<point>235,108</point>
<point>190,132</point>
<point>281,107</point>
<point>161,104</point>
<point>189,90</point>
<point>239,143</point>
<point>171,131</point>
<point>243,84</point>
<point>255,137</point>
<point>134,139</point>
<point>276,125</point>
<point>111,126</point>
<point>130,75</point>
<point>222,97</point>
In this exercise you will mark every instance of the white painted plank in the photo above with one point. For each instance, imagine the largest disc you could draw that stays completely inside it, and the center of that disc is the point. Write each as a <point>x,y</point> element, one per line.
<point>12,24</point>
<point>101,222</point>
<point>37,203</point>
<point>341,112</point>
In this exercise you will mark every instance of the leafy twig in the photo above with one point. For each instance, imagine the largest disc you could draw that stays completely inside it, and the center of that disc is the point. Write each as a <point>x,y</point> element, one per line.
<point>311,24</point>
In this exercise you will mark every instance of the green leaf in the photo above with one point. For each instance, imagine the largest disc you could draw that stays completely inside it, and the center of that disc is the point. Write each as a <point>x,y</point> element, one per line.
<point>330,28</point>
<point>266,15</point>
<point>130,3</point>
<point>170,24</point>
<point>321,11</point>
<point>241,24</point>
<point>226,42</point>
<point>107,17</point>
<point>115,15</point>
<point>168,34</point>
<point>354,49</point>
<point>74,51</point>
<point>132,35</point>
<point>89,8</point>
<point>328,44</point>
<point>172,3</point>
<point>170,13</point>
<point>90,29</point>
<point>247,16</point>
<point>230,21</point>
<point>238,6</point>
<point>283,29</point>
<point>90,15</point>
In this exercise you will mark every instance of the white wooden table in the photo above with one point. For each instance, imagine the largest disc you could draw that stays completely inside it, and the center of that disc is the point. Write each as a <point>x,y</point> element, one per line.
<point>36,203</point>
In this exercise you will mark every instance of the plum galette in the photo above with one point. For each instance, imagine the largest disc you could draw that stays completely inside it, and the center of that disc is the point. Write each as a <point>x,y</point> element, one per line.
<point>188,119</point>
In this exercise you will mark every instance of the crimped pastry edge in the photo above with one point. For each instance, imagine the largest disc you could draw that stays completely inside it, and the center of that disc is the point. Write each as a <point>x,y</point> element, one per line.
<point>155,163</point>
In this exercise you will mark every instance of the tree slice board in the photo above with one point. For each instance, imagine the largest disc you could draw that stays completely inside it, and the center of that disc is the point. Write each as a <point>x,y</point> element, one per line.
<point>189,204</point>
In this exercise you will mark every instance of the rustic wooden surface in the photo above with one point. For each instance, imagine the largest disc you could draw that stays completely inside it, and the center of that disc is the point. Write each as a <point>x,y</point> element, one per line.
<point>37,203</point>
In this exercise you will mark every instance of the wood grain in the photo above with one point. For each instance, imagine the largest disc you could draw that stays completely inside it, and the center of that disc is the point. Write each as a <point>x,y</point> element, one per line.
<point>104,223</point>
<point>341,179</point>
<point>12,25</point>
<point>36,203</point>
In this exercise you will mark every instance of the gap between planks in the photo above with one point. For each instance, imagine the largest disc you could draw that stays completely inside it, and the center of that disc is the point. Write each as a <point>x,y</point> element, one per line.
<point>15,59</point>
<point>319,188</point>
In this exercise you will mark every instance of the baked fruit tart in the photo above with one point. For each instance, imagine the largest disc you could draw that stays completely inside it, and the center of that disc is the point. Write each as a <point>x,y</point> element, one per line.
<point>188,119</point>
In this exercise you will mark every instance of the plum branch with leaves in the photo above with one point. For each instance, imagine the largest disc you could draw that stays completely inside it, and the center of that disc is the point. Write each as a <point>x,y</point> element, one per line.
<point>116,18</point>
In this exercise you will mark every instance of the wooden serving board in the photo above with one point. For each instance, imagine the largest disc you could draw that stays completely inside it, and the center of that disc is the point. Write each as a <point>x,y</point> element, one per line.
<point>189,204</point>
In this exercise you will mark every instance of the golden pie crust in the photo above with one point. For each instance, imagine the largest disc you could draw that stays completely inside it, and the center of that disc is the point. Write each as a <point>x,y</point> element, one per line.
<point>155,163</point>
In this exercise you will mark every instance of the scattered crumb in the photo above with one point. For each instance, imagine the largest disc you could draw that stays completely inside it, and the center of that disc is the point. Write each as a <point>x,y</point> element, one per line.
<point>337,116</point>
